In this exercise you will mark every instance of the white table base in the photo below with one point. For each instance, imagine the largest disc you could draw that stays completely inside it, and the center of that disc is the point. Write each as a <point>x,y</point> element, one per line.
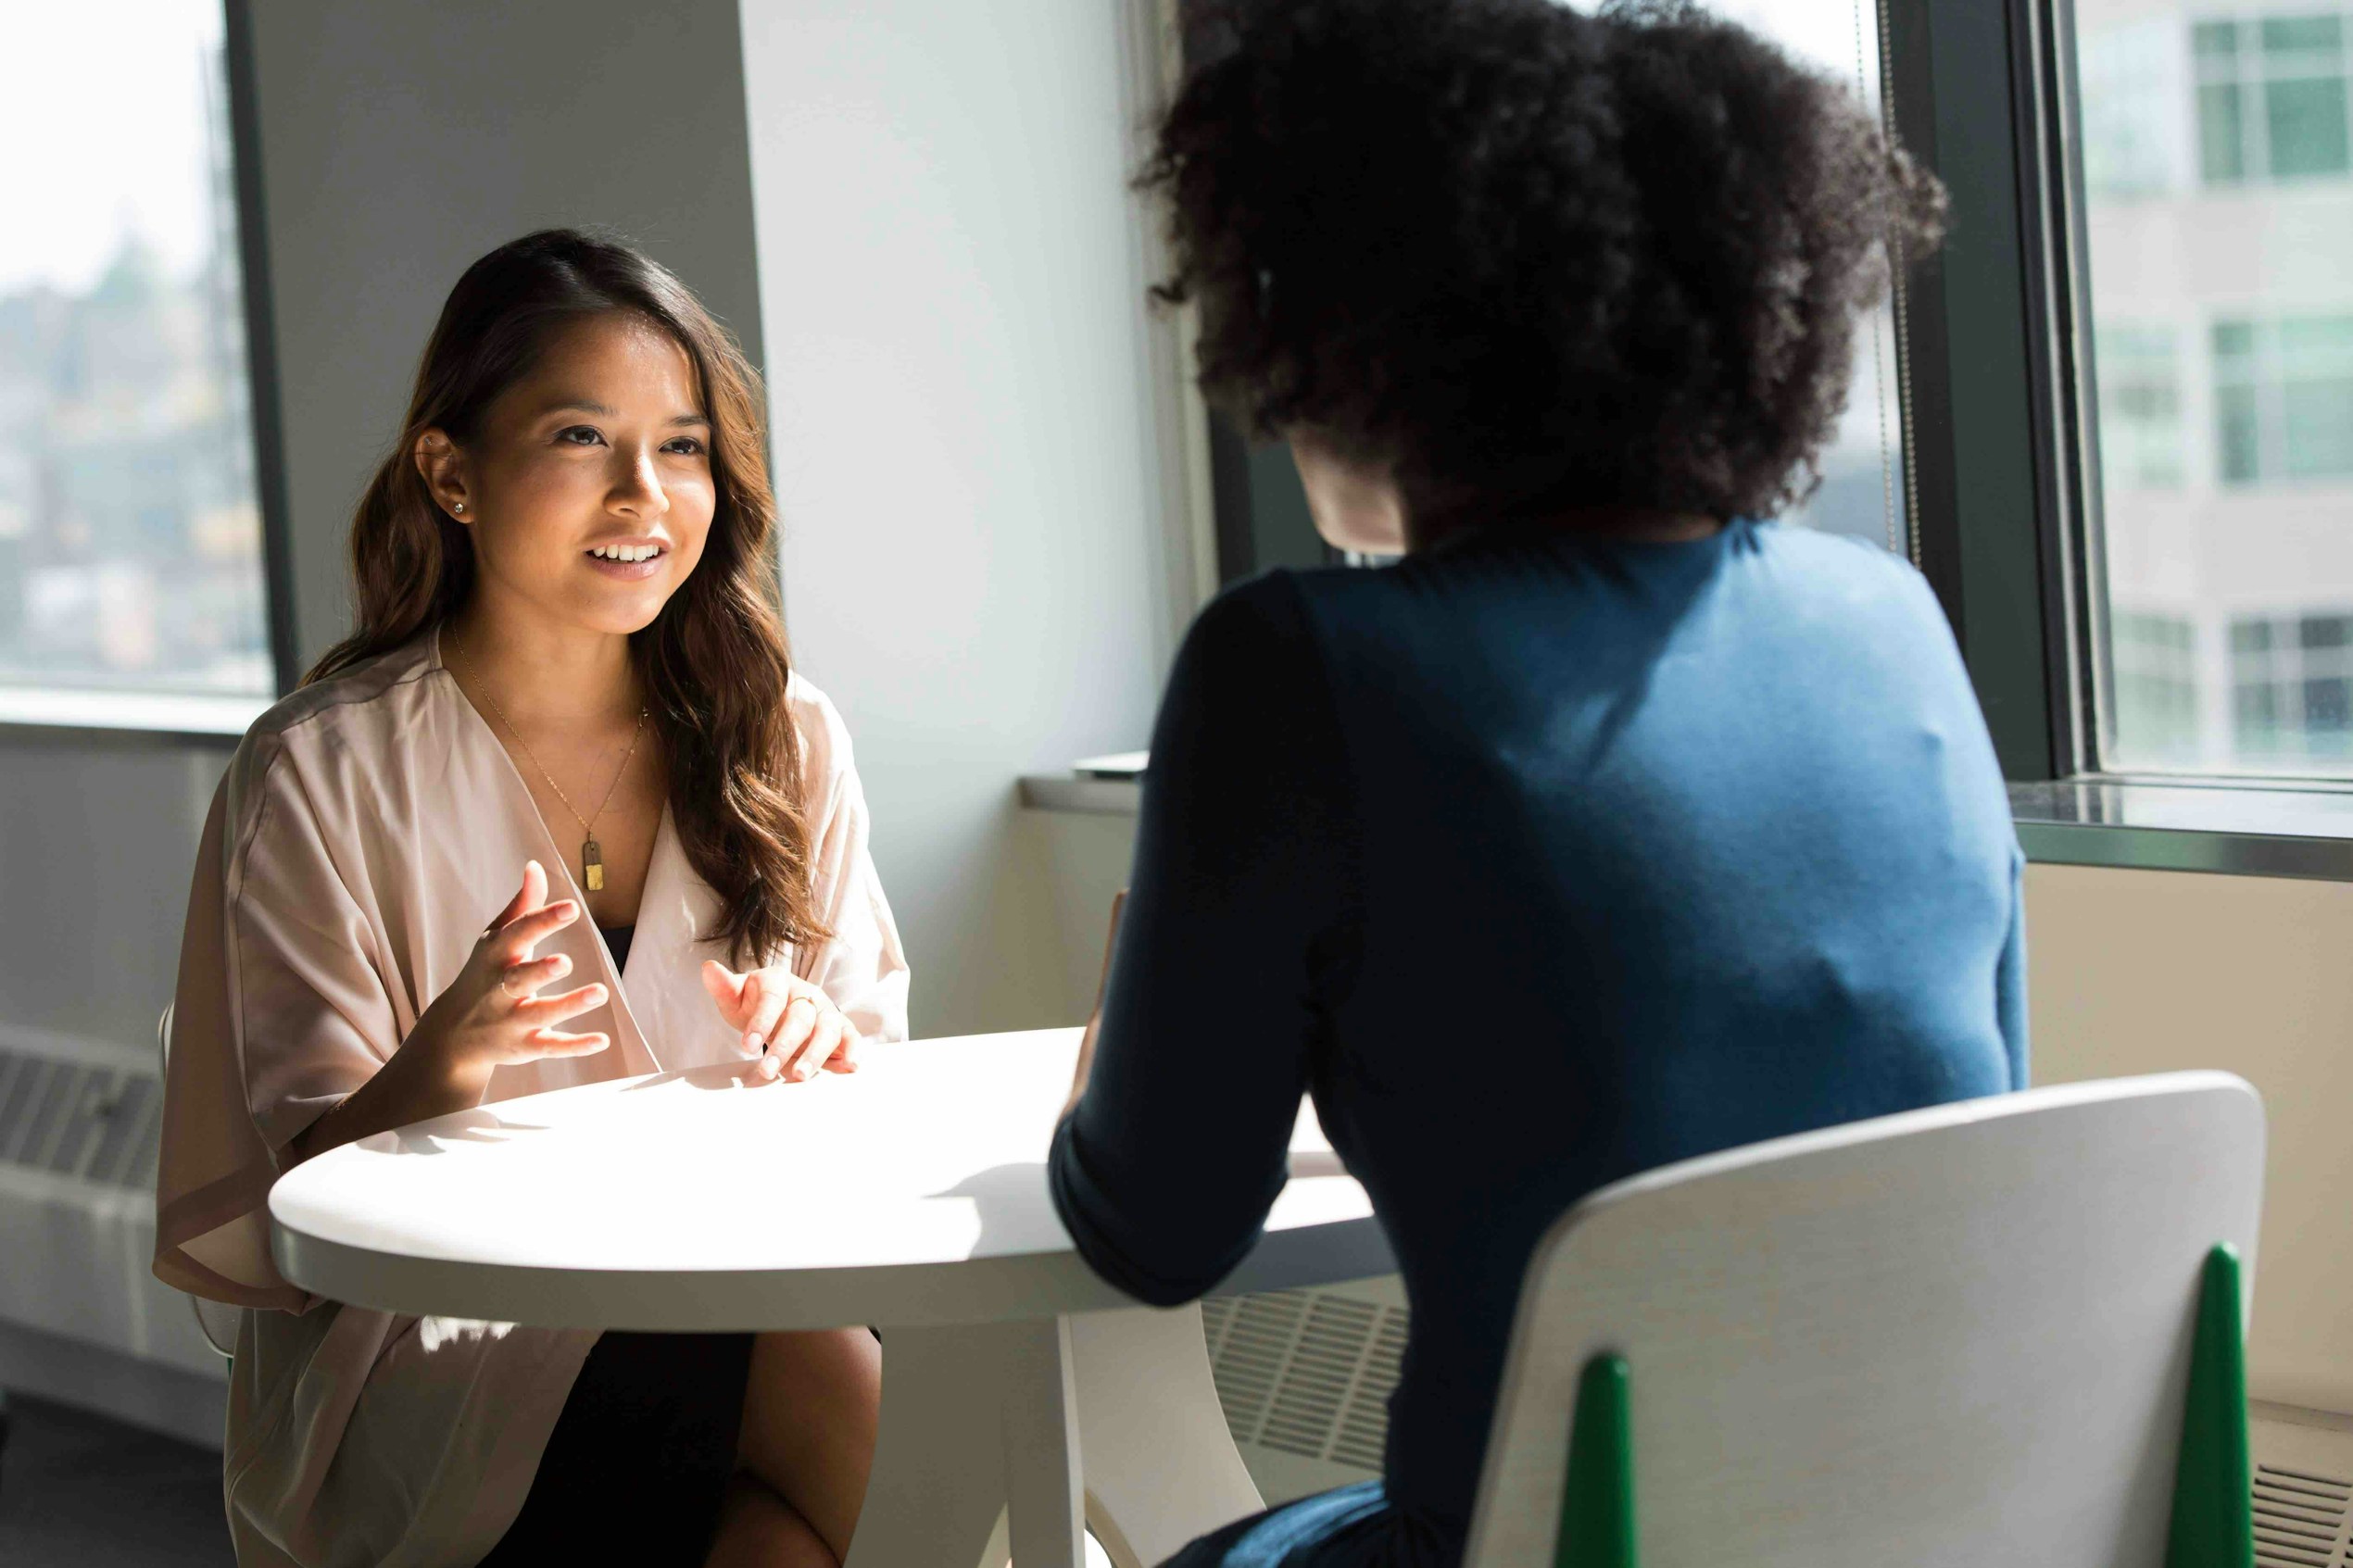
<point>1109,1418</point>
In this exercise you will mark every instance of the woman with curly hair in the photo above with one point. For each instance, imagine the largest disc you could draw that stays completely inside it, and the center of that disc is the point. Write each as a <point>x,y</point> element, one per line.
<point>1617,824</point>
<point>557,810</point>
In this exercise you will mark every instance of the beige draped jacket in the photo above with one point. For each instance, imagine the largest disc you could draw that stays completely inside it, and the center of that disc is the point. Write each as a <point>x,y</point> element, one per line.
<point>368,827</point>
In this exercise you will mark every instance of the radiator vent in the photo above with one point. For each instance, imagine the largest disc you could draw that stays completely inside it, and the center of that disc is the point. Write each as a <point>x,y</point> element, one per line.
<point>91,1121</point>
<point>1307,1371</point>
<point>2300,1519</point>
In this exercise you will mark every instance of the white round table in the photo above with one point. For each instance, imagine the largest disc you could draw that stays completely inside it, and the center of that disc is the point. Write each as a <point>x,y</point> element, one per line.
<point>1018,1387</point>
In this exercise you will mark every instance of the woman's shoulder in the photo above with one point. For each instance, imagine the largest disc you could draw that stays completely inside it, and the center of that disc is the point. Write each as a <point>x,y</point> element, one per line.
<point>1865,564</point>
<point>358,695</point>
<point>372,703</point>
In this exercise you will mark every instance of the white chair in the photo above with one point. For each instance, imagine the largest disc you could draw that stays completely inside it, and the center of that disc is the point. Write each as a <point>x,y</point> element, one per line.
<point>215,1320</point>
<point>2004,1333</point>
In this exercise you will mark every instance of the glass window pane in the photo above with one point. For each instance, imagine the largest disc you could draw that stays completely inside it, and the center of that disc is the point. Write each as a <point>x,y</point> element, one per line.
<point>2239,435</point>
<point>2245,538</point>
<point>2217,43</point>
<point>2306,127</point>
<point>129,540</point>
<point>2221,133</point>
<point>2294,35</point>
<point>2316,430</point>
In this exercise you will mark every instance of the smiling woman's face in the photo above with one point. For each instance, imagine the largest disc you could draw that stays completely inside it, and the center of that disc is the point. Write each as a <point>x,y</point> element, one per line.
<point>588,488</point>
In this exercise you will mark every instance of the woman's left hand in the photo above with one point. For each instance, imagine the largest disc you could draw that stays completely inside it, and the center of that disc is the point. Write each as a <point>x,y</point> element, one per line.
<point>788,1022</point>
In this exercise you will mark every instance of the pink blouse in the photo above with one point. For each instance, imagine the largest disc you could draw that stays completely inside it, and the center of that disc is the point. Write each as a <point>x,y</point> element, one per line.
<point>368,829</point>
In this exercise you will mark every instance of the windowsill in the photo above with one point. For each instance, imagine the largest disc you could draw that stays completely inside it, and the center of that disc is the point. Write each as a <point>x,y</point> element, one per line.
<point>2221,826</point>
<point>173,717</point>
<point>2229,826</point>
<point>1084,795</point>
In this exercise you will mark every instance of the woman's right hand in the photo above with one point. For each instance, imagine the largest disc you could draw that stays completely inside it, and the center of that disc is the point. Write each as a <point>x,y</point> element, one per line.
<point>492,1015</point>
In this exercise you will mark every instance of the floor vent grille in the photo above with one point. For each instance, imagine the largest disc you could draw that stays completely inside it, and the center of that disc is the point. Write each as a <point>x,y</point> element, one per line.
<point>94,1121</point>
<point>1307,1371</point>
<point>2300,1519</point>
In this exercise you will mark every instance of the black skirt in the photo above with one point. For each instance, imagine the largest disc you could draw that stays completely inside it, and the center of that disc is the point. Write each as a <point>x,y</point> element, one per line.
<point>640,1457</point>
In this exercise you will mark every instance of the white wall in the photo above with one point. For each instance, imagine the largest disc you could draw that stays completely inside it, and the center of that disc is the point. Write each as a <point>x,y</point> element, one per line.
<point>977,560</point>
<point>2150,972</point>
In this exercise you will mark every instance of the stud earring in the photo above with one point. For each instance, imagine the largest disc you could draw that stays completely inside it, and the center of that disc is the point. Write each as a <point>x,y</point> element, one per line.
<point>458,508</point>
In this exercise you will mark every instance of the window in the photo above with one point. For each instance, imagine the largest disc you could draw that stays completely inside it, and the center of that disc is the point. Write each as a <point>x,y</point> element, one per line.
<point>2157,688</point>
<point>2292,689</point>
<point>2217,211</point>
<point>2140,408</point>
<point>2283,399</point>
<point>2272,99</point>
<point>131,539</point>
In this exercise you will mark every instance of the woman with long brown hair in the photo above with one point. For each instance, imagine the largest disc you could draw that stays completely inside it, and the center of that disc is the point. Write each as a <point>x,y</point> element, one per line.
<point>567,696</point>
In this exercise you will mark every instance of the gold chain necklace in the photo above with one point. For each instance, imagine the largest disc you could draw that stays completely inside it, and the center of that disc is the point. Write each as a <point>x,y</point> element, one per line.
<point>591,857</point>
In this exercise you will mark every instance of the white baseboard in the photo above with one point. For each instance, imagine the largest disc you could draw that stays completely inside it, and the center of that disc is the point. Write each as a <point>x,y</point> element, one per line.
<point>140,1393</point>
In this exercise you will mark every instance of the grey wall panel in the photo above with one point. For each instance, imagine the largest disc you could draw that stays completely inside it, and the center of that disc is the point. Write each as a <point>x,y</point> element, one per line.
<point>399,140</point>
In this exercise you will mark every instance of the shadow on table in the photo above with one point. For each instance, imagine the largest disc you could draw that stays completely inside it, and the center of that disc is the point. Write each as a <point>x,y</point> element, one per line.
<point>712,1075</point>
<point>1015,1211</point>
<point>482,1124</point>
<point>1015,1207</point>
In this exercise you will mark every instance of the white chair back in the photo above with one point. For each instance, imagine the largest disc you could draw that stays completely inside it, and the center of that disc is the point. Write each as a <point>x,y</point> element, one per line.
<point>1956,1336</point>
<point>215,1320</point>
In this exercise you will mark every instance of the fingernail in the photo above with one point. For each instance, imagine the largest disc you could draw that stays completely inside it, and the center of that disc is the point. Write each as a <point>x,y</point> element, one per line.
<point>753,1043</point>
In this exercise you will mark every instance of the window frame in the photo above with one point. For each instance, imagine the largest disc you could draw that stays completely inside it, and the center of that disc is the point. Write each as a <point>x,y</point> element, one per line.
<point>2027,591</point>
<point>2005,552</point>
<point>41,712</point>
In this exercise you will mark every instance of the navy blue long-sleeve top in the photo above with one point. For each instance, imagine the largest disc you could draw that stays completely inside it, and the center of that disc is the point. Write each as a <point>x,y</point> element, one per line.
<point>1538,860</point>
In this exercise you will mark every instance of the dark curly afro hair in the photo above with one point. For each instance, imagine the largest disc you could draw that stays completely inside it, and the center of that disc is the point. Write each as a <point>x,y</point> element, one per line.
<point>1529,259</point>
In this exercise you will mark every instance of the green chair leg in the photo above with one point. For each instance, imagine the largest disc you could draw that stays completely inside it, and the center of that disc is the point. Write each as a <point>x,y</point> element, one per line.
<point>2213,1511</point>
<point>1597,1507</point>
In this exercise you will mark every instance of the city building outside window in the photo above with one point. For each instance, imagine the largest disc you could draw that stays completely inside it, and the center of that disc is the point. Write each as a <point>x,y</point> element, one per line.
<point>2217,206</point>
<point>130,541</point>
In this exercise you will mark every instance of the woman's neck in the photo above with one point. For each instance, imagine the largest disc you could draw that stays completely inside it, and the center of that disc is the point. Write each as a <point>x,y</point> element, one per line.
<point>540,673</point>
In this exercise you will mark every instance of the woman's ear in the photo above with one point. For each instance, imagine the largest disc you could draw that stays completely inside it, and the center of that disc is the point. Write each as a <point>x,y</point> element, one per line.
<point>443,467</point>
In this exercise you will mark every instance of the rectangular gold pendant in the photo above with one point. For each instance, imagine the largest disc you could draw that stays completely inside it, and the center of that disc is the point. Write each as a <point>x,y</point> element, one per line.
<point>592,867</point>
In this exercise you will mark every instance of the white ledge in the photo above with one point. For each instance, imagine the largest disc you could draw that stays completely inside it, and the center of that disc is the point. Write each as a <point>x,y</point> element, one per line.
<point>1096,797</point>
<point>159,715</point>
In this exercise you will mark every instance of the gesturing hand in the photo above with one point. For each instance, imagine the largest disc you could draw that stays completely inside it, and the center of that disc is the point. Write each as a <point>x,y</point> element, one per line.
<point>492,1015</point>
<point>790,1023</point>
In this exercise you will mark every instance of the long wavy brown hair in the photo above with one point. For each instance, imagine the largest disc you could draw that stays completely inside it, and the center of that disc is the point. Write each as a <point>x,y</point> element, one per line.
<point>714,663</point>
